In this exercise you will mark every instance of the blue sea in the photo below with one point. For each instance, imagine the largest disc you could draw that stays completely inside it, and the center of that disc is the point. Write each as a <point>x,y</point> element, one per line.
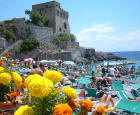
<point>130,55</point>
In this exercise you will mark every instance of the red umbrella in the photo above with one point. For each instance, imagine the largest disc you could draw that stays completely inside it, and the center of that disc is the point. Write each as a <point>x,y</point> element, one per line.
<point>59,61</point>
<point>28,59</point>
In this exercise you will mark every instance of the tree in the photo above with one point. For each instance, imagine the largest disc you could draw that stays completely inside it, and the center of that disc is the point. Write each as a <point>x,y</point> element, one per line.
<point>36,18</point>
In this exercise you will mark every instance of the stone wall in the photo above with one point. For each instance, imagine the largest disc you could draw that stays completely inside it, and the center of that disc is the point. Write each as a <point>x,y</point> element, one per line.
<point>68,45</point>
<point>67,56</point>
<point>22,29</point>
<point>40,32</point>
<point>4,43</point>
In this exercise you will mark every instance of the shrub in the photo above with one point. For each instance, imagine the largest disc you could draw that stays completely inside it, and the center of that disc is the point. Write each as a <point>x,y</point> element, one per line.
<point>4,90</point>
<point>29,44</point>
<point>65,37</point>
<point>7,21</point>
<point>9,35</point>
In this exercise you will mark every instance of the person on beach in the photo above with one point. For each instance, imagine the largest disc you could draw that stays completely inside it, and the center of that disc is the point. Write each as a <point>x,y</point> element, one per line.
<point>111,71</point>
<point>42,68</point>
<point>103,71</point>
<point>36,71</point>
<point>103,99</point>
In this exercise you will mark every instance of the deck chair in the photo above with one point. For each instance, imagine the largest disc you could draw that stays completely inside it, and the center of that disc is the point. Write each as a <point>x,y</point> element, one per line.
<point>128,105</point>
<point>124,103</point>
<point>117,85</point>
<point>89,71</point>
<point>135,93</point>
<point>72,81</point>
<point>91,92</point>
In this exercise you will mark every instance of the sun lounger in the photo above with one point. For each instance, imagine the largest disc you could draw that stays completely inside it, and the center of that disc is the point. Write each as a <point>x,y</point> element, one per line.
<point>91,92</point>
<point>86,82</point>
<point>124,103</point>
<point>136,85</point>
<point>135,93</point>
<point>128,105</point>
<point>88,76</point>
<point>117,85</point>
<point>72,81</point>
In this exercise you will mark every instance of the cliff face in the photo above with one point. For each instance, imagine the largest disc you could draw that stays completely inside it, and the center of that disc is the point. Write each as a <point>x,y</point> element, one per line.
<point>65,50</point>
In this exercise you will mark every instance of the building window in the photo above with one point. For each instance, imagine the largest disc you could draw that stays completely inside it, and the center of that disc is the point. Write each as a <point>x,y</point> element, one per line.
<point>61,14</point>
<point>40,12</point>
<point>46,11</point>
<point>57,13</point>
<point>65,25</point>
<point>60,29</point>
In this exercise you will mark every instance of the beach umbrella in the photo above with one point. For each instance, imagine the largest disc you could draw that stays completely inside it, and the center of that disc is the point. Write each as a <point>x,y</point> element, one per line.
<point>49,62</point>
<point>43,61</point>
<point>69,63</point>
<point>59,60</point>
<point>10,59</point>
<point>28,59</point>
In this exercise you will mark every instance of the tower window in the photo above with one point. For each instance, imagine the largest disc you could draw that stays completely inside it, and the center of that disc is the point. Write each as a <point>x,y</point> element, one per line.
<point>65,25</point>
<point>57,13</point>
<point>60,29</point>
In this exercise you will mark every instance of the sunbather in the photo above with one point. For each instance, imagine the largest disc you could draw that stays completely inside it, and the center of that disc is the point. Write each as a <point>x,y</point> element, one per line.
<point>103,99</point>
<point>137,99</point>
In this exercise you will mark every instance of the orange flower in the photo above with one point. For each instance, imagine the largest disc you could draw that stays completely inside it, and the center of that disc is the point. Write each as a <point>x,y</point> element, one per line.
<point>86,105</point>
<point>22,86</point>
<point>62,109</point>
<point>73,104</point>
<point>101,110</point>
<point>1,63</point>
<point>111,109</point>
<point>12,95</point>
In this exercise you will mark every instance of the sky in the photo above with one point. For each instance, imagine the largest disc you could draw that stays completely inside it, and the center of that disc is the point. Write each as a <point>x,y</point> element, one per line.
<point>106,25</point>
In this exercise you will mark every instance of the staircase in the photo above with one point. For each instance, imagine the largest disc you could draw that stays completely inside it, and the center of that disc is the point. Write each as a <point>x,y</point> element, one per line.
<point>13,47</point>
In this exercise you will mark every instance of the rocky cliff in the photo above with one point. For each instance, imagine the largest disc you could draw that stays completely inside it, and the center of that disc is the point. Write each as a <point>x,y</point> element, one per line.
<point>49,49</point>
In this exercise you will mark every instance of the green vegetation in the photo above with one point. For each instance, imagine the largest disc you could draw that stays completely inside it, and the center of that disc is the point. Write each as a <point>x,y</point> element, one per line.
<point>36,18</point>
<point>65,37</point>
<point>8,30</point>
<point>29,44</point>
<point>5,89</point>
<point>9,35</point>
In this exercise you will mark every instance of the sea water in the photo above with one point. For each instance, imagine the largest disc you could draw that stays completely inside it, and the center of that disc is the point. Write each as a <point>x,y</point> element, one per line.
<point>131,56</point>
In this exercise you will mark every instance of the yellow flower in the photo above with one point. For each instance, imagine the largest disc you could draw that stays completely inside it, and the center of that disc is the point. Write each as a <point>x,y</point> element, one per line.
<point>5,78</point>
<point>70,92</point>
<point>24,110</point>
<point>3,58</point>
<point>2,69</point>
<point>17,79</point>
<point>62,109</point>
<point>54,76</point>
<point>40,87</point>
<point>30,78</point>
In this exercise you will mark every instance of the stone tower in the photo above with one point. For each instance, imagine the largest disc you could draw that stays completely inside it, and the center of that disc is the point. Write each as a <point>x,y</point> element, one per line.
<point>58,18</point>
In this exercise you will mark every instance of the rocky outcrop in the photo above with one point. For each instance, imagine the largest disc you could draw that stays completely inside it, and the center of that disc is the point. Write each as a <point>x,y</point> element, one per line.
<point>101,56</point>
